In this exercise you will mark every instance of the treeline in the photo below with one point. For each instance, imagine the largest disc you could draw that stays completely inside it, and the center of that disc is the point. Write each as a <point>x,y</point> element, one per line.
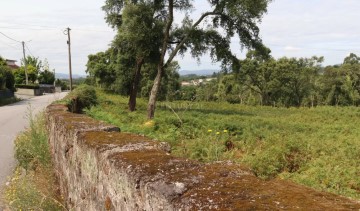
<point>284,82</point>
<point>259,81</point>
<point>107,70</point>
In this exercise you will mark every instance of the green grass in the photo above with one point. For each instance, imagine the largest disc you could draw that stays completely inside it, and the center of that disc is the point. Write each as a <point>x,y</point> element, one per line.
<point>318,147</point>
<point>33,185</point>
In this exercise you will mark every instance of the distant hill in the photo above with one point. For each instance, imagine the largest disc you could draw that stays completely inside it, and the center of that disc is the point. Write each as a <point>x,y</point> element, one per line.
<point>198,72</point>
<point>66,76</point>
<point>204,72</point>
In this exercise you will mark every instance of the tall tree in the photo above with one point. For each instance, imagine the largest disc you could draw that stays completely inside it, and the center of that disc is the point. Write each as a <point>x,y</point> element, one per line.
<point>99,66</point>
<point>6,76</point>
<point>238,17</point>
<point>138,38</point>
<point>352,59</point>
<point>46,77</point>
<point>227,18</point>
<point>256,73</point>
<point>293,79</point>
<point>33,61</point>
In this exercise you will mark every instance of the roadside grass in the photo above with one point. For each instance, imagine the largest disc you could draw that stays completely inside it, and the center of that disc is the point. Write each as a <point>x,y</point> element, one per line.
<point>318,147</point>
<point>33,185</point>
<point>8,101</point>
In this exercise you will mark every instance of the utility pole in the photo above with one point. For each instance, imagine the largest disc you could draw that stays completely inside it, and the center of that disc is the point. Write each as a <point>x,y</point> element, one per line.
<point>67,32</point>
<point>54,78</point>
<point>25,65</point>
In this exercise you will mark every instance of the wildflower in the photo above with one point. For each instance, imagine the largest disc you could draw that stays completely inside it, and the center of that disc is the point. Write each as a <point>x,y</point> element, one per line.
<point>217,133</point>
<point>225,131</point>
<point>209,131</point>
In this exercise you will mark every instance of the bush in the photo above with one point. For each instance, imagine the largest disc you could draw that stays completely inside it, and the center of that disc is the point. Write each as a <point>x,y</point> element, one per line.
<point>2,81</point>
<point>84,96</point>
<point>10,80</point>
<point>7,79</point>
<point>27,86</point>
<point>62,84</point>
<point>46,77</point>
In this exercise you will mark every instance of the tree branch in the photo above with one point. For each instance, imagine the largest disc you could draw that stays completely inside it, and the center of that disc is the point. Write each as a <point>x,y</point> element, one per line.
<point>174,42</point>
<point>177,48</point>
<point>167,31</point>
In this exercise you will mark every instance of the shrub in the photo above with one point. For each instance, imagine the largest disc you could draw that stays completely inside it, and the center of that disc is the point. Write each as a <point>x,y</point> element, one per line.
<point>84,96</point>
<point>10,80</point>
<point>2,81</point>
<point>62,84</point>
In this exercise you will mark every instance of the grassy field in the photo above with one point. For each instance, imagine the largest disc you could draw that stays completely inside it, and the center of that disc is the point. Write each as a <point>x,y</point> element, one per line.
<point>318,147</point>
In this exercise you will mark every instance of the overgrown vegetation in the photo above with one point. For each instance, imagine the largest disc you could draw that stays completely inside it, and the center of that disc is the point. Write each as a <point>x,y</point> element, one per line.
<point>84,96</point>
<point>7,80</point>
<point>317,147</point>
<point>32,185</point>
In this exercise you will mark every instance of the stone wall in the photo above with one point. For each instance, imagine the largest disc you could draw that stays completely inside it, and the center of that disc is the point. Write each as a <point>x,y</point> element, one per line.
<point>30,92</point>
<point>101,168</point>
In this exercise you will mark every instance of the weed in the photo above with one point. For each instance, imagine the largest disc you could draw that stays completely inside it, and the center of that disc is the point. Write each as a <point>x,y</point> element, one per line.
<point>33,185</point>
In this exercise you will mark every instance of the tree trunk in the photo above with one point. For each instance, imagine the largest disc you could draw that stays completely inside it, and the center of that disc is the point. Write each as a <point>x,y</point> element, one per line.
<point>265,98</point>
<point>157,81</point>
<point>135,84</point>
<point>154,92</point>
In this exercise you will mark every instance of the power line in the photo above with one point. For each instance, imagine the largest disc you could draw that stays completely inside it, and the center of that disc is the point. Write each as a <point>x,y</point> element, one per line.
<point>9,37</point>
<point>42,26</point>
<point>91,30</point>
<point>51,28</point>
<point>9,45</point>
<point>22,28</point>
<point>29,50</point>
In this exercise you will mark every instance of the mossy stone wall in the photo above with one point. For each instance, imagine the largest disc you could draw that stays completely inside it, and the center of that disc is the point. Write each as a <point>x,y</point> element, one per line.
<point>101,168</point>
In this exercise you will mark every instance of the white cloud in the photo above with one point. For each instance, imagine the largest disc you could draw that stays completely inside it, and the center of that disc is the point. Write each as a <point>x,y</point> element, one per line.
<point>291,48</point>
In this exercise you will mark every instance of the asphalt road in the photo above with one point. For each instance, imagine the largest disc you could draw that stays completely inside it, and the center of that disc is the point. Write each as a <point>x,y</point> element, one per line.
<point>13,119</point>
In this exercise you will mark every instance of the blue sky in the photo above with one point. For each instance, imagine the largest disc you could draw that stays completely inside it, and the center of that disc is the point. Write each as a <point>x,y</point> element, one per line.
<point>291,28</point>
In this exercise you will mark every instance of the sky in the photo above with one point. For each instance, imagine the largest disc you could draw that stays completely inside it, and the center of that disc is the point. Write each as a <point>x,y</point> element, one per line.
<point>292,28</point>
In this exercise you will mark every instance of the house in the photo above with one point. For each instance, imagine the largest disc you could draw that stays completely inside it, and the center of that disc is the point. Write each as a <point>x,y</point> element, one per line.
<point>196,82</point>
<point>11,64</point>
<point>185,83</point>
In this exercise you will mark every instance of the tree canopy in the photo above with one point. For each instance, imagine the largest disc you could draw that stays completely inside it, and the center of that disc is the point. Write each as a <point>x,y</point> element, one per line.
<point>225,20</point>
<point>7,80</point>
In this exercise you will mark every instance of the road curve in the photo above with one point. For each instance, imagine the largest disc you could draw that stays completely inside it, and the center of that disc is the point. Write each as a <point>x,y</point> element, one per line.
<point>13,119</point>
